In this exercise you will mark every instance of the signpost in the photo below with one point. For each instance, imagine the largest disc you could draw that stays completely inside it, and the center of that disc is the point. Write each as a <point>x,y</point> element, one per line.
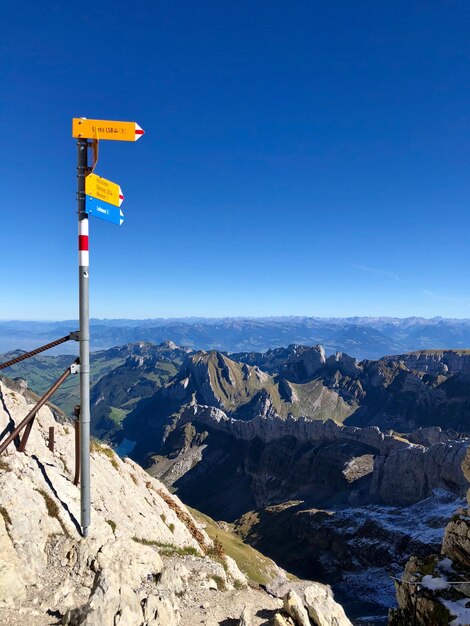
<point>105,129</point>
<point>84,341</point>
<point>103,189</point>
<point>101,198</point>
<point>104,210</point>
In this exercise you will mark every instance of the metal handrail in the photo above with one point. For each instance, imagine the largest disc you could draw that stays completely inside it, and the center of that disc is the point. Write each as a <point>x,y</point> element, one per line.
<point>70,337</point>
<point>29,419</point>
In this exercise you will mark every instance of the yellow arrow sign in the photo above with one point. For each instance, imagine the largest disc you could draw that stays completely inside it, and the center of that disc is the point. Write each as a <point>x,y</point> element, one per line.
<point>105,129</point>
<point>103,189</point>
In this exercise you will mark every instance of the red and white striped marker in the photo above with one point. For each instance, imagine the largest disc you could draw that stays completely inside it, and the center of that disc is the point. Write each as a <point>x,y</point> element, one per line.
<point>138,131</point>
<point>83,253</point>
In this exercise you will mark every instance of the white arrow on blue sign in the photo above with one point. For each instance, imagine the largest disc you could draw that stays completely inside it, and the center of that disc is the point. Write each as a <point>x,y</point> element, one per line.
<point>104,210</point>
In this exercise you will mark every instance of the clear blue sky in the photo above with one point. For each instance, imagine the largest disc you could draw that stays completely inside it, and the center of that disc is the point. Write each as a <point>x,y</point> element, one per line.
<point>300,157</point>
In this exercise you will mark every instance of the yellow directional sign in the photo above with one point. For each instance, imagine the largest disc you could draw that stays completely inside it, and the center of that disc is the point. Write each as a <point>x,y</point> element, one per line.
<point>103,189</point>
<point>105,129</point>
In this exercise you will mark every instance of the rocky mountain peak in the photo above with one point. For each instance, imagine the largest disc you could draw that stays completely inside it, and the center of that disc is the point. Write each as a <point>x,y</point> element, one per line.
<point>303,363</point>
<point>136,360</point>
<point>169,345</point>
<point>147,561</point>
<point>437,362</point>
<point>219,381</point>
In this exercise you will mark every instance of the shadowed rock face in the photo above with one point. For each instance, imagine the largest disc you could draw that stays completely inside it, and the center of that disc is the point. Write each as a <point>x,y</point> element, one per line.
<point>328,543</point>
<point>227,476</point>
<point>297,363</point>
<point>228,466</point>
<point>409,475</point>
<point>442,577</point>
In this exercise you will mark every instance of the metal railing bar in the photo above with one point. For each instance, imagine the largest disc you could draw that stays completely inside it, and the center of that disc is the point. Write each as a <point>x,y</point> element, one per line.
<point>32,414</point>
<point>70,337</point>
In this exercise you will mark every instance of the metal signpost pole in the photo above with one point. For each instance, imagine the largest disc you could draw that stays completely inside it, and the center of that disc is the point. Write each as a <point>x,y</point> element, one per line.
<point>101,198</point>
<point>84,318</point>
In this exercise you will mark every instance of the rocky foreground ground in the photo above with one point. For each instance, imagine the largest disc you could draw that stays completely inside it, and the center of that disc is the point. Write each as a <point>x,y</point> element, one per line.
<point>434,590</point>
<point>147,561</point>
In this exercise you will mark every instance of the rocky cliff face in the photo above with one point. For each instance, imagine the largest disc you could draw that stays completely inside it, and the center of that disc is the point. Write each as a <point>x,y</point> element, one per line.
<point>355,502</point>
<point>408,475</point>
<point>406,392</point>
<point>269,459</point>
<point>147,561</point>
<point>437,362</point>
<point>403,391</point>
<point>435,589</point>
<point>355,548</point>
<point>296,362</point>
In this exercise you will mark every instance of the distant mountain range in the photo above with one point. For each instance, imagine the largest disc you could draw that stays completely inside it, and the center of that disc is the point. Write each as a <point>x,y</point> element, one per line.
<point>361,337</point>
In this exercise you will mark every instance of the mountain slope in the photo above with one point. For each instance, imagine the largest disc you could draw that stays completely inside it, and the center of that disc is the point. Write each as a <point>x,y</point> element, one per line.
<point>120,377</point>
<point>203,435</point>
<point>147,560</point>
<point>402,392</point>
<point>145,370</point>
<point>240,390</point>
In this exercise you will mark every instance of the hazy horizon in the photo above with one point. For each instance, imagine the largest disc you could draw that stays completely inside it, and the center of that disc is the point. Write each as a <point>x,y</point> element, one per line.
<point>235,317</point>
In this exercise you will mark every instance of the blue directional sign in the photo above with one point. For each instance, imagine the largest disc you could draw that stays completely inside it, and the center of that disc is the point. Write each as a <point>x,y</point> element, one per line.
<point>104,210</point>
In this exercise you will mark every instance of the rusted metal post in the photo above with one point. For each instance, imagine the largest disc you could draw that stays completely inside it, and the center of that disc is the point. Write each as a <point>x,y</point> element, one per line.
<point>51,438</point>
<point>32,414</point>
<point>25,437</point>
